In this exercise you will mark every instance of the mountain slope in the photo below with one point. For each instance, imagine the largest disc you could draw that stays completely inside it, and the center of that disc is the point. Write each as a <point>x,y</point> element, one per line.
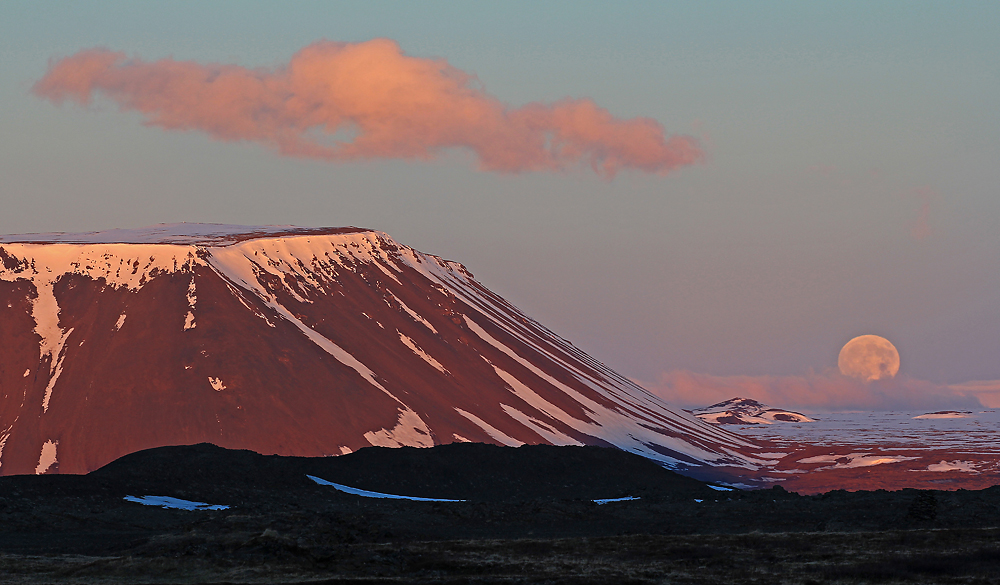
<point>297,342</point>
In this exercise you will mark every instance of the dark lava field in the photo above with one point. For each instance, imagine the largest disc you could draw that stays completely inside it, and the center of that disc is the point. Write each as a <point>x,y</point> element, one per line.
<point>529,517</point>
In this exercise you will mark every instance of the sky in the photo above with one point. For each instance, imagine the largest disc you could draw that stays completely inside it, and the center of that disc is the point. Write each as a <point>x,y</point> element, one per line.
<point>709,197</point>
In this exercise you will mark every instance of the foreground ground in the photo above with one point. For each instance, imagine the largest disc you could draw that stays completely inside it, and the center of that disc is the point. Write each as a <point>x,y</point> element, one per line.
<point>529,518</point>
<point>917,556</point>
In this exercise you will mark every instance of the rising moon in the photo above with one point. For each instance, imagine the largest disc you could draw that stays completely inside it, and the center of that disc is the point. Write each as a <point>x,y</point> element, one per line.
<point>869,358</point>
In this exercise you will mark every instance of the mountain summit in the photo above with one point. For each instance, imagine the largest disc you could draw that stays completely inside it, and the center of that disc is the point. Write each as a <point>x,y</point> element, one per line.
<point>293,341</point>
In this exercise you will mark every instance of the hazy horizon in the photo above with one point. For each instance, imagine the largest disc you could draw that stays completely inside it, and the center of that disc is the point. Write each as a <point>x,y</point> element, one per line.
<point>836,172</point>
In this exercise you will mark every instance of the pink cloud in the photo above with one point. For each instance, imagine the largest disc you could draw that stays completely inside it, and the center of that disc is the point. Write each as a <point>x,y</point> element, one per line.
<point>391,104</point>
<point>823,392</point>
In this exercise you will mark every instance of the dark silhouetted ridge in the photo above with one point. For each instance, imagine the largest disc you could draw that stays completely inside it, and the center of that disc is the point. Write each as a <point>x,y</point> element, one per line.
<point>469,471</point>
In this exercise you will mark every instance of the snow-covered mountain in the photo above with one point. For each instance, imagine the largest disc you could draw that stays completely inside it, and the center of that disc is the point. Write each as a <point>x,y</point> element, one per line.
<point>746,411</point>
<point>298,342</point>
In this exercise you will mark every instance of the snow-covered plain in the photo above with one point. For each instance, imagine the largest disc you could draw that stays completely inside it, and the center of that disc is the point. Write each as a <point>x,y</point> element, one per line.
<point>977,432</point>
<point>885,450</point>
<point>854,460</point>
<point>946,414</point>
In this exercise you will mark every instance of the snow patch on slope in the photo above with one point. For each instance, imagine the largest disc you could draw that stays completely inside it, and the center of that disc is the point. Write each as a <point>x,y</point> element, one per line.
<point>45,311</point>
<point>235,266</point>
<point>643,419</point>
<point>422,354</point>
<point>241,264</point>
<point>497,435</point>
<point>127,266</point>
<point>414,315</point>
<point>611,425</point>
<point>542,429</point>
<point>47,458</point>
<point>192,299</point>
<point>3,441</point>
<point>964,466</point>
<point>410,431</point>
<point>555,414</point>
<point>57,371</point>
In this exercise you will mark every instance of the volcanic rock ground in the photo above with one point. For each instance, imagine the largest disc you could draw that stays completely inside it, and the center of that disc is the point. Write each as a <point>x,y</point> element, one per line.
<point>529,517</point>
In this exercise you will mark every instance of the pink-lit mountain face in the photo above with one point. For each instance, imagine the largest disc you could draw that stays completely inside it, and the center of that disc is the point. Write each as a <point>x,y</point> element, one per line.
<point>296,342</point>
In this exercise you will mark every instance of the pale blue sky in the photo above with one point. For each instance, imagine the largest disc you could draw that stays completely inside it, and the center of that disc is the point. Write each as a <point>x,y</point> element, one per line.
<point>822,121</point>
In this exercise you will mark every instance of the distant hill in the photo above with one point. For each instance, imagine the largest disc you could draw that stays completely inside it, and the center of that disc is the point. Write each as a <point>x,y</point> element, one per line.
<point>746,411</point>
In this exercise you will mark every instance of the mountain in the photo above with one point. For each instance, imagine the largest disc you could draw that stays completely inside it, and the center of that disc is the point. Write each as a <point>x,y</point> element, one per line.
<point>746,411</point>
<point>294,341</point>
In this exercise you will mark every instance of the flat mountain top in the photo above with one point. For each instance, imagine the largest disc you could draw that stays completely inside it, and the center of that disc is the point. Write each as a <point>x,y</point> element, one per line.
<point>215,234</point>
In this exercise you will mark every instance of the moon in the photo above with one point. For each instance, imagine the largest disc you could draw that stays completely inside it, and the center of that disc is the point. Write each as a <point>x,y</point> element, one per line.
<point>868,358</point>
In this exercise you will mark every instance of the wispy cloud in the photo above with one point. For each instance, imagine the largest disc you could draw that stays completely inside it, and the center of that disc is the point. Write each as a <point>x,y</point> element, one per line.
<point>825,391</point>
<point>986,391</point>
<point>348,101</point>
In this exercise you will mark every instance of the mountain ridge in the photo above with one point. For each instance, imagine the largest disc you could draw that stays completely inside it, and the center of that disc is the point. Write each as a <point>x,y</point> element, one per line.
<point>293,343</point>
<point>219,234</point>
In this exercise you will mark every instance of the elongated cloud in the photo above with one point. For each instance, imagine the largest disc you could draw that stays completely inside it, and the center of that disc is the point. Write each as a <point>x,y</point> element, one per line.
<point>349,101</point>
<point>827,391</point>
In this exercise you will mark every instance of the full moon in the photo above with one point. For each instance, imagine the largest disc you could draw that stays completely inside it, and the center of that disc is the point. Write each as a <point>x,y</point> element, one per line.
<point>869,358</point>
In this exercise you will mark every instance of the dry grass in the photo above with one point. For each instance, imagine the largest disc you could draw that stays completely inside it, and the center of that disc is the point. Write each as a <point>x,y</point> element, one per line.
<point>919,556</point>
